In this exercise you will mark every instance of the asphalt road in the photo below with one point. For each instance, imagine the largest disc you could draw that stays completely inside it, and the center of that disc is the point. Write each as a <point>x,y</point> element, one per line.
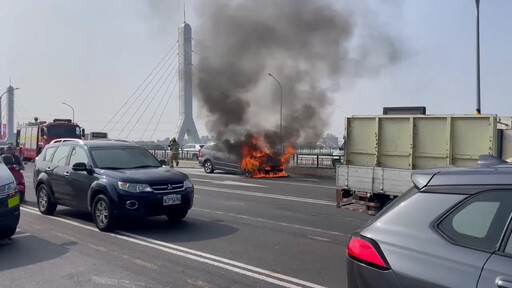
<point>241,233</point>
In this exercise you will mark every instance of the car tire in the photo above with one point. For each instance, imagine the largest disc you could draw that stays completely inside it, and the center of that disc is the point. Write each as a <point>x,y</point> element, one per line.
<point>195,157</point>
<point>102,214</point>
<point>177,215</point>
<point>22,197</point>
<point>45,203</point>
<point>7,233</point>
<point>247,174</point>
<point>208,167</point>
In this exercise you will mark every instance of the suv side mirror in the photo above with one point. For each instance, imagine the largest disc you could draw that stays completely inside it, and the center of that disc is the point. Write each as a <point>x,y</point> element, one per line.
<point>79,167</point>
<point>163,162</point>
<point>83,132</point>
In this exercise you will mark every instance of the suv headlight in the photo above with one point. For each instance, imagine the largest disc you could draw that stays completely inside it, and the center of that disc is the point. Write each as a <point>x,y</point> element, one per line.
<point>132,187</point>
<point>8,189</point>
<point>188,184</point>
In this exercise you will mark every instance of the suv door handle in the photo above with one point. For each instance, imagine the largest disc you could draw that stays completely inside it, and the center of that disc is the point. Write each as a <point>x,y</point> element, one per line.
<point>66,173</point>
<point>503,283</point>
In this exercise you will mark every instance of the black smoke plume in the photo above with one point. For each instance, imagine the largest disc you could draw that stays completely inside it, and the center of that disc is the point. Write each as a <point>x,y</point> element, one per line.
<point>307,45</point>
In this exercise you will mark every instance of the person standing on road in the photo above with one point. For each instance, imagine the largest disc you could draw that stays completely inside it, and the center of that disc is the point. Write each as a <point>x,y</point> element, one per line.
<point>175,152</point>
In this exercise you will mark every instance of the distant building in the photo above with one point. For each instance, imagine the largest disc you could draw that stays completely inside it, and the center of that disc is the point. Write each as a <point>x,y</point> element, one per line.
<point>330,141</point>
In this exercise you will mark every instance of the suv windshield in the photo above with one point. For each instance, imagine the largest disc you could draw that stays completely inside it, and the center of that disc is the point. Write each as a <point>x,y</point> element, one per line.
<point>63,131</point>
<point>123,158</point>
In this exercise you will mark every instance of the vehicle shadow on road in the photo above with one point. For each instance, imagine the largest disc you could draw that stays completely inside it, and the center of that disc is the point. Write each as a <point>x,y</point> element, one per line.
<point>189,229</point>
<point>28,250</point>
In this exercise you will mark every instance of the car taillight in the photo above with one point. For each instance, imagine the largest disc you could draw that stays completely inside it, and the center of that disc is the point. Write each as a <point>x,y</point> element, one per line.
<point>200,152</point>
<point>363,251</point>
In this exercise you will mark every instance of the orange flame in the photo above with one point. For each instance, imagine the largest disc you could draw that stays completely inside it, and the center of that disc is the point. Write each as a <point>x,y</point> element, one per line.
<point>259,162</point>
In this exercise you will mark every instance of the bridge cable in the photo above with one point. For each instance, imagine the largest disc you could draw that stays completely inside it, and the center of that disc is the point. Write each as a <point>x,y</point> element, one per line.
<point>154,96</point>
<point>158,105</point>
<point>144,89</point>
<point>163,110</point>
<point>146,97</point>
<point>165,56</point>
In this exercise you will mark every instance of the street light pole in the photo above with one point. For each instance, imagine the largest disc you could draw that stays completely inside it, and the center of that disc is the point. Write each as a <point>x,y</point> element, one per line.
<point>281,112</point>
<point>71,109</point>
<point>478,111</point>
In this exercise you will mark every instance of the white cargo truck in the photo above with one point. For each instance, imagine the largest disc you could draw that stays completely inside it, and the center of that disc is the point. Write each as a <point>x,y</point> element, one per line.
<point>382,151</point>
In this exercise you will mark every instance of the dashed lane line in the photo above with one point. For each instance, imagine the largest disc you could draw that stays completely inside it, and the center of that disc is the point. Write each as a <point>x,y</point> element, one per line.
<point>270,221</point>
<point>234,266</point>
<point>267,195</point>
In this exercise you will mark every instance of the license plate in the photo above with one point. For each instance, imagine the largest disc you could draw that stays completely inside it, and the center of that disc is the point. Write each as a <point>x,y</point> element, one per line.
<point>14,201</point>
<point>172,199</point>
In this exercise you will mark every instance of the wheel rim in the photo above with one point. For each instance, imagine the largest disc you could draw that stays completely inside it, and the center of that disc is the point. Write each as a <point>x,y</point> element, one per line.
<point>43,199</point>
<point>101,213</point>
<point>208,166</point>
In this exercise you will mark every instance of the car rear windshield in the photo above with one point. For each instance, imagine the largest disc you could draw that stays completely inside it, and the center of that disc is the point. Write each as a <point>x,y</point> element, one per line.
<point>123,158</point>
<point>394,203</point>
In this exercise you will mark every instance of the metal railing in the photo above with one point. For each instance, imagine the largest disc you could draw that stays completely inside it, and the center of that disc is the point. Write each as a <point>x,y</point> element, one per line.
<point>298,160</point>
<point>166,154</point>
<point>315,161</point>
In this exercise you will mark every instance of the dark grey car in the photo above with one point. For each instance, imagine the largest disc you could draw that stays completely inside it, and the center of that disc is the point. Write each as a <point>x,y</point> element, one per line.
<point>213,157</point>
<point>452,229</point>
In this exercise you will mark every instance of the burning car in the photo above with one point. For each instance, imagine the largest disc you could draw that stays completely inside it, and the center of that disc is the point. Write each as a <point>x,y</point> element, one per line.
<point>255,159</point>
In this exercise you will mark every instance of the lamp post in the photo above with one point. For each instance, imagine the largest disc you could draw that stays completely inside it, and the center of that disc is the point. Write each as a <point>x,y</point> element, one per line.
<point>8,92</point>
<point>281,111</point>
<point>478,108</point>
<point>71,109</point>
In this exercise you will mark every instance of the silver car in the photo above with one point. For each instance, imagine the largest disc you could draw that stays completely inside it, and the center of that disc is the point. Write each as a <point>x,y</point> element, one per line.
<point>452,229</point>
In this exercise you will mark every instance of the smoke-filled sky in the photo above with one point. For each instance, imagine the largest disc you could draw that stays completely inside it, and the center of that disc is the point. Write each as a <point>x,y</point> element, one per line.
<point>93,54</point>
<point>310,47</point>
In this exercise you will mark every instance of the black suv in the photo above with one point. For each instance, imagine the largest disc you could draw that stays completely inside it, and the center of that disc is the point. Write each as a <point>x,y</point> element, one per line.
<point>112,179</point>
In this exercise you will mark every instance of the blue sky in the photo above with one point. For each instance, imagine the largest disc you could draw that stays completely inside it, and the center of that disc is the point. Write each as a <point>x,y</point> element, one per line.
<point>93,54</point>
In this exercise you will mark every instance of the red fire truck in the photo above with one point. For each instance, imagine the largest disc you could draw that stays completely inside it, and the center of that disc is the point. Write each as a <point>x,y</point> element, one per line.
<point>32,137</point>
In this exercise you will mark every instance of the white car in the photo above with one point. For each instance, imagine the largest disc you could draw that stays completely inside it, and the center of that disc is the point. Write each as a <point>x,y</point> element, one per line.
<point>191,151</point>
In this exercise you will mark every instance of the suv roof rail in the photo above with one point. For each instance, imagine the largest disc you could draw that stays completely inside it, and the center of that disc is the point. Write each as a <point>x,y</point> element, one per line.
<point>117,140</point>
<point>489,160</point>
<point>62,140</point>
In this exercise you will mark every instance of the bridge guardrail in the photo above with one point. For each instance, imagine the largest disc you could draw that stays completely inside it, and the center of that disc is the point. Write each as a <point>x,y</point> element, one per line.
<point>297,160</point>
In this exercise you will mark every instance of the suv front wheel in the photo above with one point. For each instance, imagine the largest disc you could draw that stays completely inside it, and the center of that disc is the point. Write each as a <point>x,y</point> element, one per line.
<point>177,215</point>
<point>102,214</point>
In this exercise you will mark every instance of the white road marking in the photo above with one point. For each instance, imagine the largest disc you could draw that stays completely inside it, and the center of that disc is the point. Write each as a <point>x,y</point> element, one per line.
<point>194,255</point>
<point>353,219</point>
<point>97,247</point>
<point>270,221</point>
<point>319,238</point>
<point>64,236</point>
<point>21,235</point>
<point>120,283</point>
<point>275,196</point>
<point>227,182</point>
